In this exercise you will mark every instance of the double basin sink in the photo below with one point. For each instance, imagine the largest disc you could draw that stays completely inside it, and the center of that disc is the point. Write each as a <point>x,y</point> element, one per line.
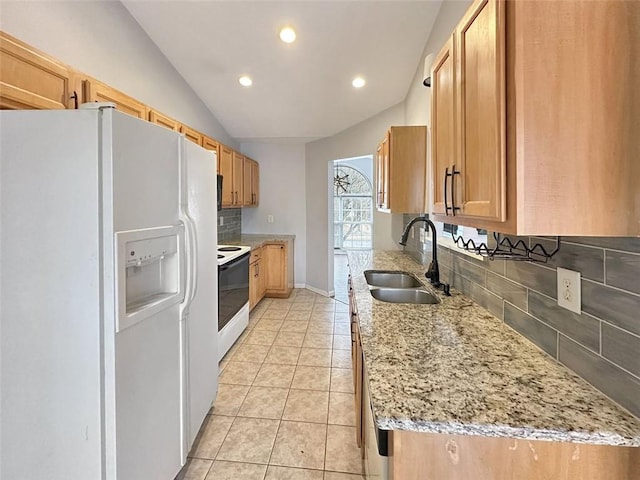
<point>397,287</point>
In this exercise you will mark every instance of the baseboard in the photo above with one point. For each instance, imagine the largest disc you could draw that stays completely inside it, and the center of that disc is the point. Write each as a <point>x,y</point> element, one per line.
<point>318,291</point>
<point>299,285</point>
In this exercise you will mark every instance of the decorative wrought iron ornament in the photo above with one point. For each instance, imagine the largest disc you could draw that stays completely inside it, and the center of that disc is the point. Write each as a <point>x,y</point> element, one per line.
<point>341,182</point>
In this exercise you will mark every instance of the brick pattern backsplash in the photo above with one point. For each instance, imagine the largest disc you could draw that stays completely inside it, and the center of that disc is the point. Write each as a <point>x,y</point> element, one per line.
<point>231,229</point>
<point>602,344</point>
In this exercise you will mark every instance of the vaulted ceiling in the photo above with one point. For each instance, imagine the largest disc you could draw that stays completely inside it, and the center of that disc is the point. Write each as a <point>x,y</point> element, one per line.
<point>301,91</point>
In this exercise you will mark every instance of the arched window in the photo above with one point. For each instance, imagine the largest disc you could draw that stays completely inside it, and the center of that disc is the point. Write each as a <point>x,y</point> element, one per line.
<point>352,209</point>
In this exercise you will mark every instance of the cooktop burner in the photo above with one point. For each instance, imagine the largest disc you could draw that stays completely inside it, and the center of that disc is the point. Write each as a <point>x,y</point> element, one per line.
<point>220,256</point>
<point>229,249</point>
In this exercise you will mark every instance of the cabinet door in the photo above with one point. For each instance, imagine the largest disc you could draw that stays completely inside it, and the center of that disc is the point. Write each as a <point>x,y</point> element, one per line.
<point>255,183</point>
<point>382,173</point>
<point>442,126</point>
<point>480,187</point>
<point>238,178</point>
<point>191,134</point>
<point>225,161</point>
<point>160,119</point>
<point>254,284</point>
<point>95,91</point>
<point>247,192</point>
<point>32,80</point>
<point>275,255</point>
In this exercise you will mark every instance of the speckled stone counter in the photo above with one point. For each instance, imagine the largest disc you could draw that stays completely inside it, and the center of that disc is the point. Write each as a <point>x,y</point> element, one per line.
<point>255,240</point>
<point>455,368</point>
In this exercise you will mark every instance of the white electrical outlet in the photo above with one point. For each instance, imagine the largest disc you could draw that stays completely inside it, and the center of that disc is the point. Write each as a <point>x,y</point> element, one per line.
<point>269,218</point>
<point>221,221</point>
<point>569,290</point>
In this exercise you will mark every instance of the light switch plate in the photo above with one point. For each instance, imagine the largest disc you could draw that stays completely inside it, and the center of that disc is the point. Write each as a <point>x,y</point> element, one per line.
<point>569,295</point>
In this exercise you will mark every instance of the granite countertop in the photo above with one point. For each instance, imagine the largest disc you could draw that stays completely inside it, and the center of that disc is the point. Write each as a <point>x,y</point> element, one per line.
<point>454,368</point>
<point>255,240</point>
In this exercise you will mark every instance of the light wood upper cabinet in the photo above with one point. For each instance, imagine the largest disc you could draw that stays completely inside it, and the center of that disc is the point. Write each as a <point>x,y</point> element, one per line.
<point>443,144</point>
<point>251,179</point>
<point>95,91</point>
<point>191,134</point>
<point>30,79</point>
<point>468,117</point>
<point>162,120</point>
<point>231,168</point>
<point>564,159</point>
<point>401,170</point>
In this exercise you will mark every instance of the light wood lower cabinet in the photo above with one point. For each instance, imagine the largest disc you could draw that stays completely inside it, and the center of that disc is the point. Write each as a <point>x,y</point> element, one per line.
<point>30,79</point>
<point>435,456</point>
<point>276,264</point>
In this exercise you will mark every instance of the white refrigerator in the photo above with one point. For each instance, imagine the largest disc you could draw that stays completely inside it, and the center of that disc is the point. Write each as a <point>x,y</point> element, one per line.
<point>108,295</point>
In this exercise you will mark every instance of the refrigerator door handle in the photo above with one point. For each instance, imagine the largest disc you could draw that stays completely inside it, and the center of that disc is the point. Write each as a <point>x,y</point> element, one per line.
<point>194,257</point>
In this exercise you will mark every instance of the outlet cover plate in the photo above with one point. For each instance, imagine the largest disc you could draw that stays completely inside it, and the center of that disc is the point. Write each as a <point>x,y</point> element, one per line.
<point>569,295</point>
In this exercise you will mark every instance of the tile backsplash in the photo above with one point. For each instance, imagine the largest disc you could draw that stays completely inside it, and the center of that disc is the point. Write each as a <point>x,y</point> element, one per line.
<point>602,344</point>
<point>232,225</point>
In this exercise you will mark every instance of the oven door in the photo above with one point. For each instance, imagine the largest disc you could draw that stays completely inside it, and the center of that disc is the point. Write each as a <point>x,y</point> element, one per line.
<point>233,288</point>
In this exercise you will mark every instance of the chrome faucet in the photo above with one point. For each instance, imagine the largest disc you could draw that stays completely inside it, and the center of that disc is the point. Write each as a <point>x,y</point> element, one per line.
<point>433,272</point>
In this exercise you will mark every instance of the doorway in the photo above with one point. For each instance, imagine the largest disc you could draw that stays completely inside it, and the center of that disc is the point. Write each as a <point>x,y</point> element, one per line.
<point>352,189</point>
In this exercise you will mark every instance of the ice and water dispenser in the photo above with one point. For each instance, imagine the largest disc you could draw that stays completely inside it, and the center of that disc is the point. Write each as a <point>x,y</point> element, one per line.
<point>148,275</point>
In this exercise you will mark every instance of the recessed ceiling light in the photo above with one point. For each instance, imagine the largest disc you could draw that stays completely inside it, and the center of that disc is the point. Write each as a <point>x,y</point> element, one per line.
<point>288,35</point>
<point>358,82</point>
<point>245,81</point>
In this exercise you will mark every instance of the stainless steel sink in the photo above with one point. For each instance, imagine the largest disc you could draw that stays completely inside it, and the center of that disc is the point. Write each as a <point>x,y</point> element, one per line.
<point>391,278</point>
<point>403,295</point>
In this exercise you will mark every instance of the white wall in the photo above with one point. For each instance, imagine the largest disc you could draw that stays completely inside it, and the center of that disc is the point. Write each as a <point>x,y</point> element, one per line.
<point>101,39</point>
<point>356,141</point>
<point>283,195</point>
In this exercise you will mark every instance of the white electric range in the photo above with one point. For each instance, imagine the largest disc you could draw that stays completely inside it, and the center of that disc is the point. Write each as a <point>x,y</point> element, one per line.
<point>233,294</point>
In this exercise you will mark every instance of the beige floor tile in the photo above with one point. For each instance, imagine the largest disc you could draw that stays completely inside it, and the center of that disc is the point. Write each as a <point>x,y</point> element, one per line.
<point>342,328</point>
<point>325,300</point>
<point>322,316</point>
<point>268,324</point>
<point>341,359</point>
<point>315,357</point>
<point>272,375</point>
<point>341,380</point>
<point>239,373</point>
<point>298,315</point>
<point>343,455</point>
<point>318,340</point>
<point>320,327</point>
<point>323,308</point>
<point>229,399</point>
<point>243,336</point>
<point>342,342</point>
<point>264,402</point>
<point>210,437</point>
<point>251,353</point>
<point>249,440</point>
<point>222,470</point>
<point>300,444</point>
<point>341,409</point>
<point>301,306</point>
<point>278,305</point>
<point>342,476</point>
<point>195,469</point>
<point>294,326</point>
<point>311,378</point>
<point>277,314</point>
<point>261,337</point>
<point>306,406</point>
<point>283,355</point>
<point>289,339</point>
<point>287,473</point>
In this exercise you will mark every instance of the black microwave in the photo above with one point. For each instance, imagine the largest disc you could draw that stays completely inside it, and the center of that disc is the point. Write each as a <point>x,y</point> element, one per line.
<point>219,190</point>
